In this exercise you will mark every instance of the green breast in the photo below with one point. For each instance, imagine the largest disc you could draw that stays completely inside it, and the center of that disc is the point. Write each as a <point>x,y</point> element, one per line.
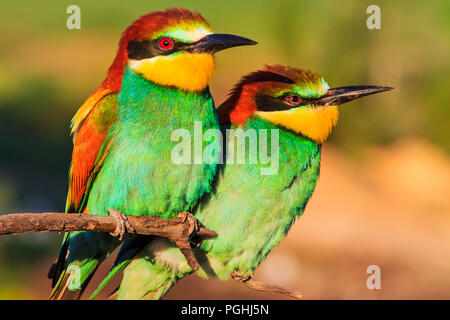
<point>138,175</point>
<point>252,212</point>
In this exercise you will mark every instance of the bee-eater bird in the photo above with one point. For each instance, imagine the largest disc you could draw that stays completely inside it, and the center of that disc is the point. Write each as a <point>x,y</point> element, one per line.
<point>251,212</point>
<point>157,83</point>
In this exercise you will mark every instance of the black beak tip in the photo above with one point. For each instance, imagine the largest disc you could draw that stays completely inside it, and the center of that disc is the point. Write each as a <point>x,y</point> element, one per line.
<point>382,88</point>
<point>234,40</point>
<point>341,95</point>
<point>218,42</point>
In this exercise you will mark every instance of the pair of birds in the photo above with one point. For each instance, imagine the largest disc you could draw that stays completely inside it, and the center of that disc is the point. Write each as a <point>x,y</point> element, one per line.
<point>121,159</point>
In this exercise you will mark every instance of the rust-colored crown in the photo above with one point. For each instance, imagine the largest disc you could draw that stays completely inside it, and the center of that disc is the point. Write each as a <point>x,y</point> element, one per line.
<point>142,29</point>
<point>240,103</point>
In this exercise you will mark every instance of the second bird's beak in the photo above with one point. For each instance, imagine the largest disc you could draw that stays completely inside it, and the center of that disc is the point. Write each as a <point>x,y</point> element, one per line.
<point>337,96</point>
<point>217,42</point>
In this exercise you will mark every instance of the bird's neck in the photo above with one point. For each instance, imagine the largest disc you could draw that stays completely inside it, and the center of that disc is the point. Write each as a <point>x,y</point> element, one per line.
<point>292,146</point>
<point>284,133</point>
<point>142,99</point>
<point>315,123</point>
<point>186,71</point>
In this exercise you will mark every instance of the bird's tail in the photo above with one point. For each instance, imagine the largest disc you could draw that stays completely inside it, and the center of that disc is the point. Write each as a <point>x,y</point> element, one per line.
<point>81,254</point>
<point>152,272</point>
<point>130,248</point>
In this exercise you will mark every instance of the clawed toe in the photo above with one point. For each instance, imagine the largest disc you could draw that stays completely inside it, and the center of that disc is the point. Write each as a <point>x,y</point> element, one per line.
<point>123,225</point>
<point>189,217</point>
<point>238,276</point>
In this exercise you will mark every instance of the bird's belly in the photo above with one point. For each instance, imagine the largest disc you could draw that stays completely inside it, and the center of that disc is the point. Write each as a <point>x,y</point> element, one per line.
<point>246,254</point>
<point>137,181</point>
<point>253,219</point>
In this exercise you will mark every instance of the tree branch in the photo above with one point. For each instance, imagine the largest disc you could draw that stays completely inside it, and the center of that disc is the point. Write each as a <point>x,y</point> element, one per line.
<point>179,229</point>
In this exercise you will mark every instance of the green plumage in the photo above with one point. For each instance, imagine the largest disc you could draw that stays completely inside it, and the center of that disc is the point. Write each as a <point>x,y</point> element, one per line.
<point>137,175</point>
<point>253,212</point>
<point>250,212</point>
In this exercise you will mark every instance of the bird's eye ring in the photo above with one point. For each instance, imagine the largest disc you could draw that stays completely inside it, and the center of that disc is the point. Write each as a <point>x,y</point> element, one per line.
<point>293,100</point>
<point>165,43</point>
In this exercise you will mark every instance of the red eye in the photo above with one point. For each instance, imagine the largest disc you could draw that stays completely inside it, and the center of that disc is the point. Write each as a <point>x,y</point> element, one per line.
<point>293,100</point>
<point>165,43</point>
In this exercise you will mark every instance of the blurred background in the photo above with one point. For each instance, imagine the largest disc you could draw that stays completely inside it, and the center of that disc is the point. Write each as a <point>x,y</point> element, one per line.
<point>383,195</point>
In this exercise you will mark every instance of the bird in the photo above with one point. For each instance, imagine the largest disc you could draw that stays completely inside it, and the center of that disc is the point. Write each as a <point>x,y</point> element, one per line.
<point>121,160</point>
<point>251,210</point>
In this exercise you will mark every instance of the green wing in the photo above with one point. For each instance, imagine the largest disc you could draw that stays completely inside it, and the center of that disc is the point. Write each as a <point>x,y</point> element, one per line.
<point>81,252</point>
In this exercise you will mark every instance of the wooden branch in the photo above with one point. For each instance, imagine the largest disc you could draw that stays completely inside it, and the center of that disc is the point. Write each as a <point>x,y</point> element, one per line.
<point>179,229</point>
<point>259,286</point>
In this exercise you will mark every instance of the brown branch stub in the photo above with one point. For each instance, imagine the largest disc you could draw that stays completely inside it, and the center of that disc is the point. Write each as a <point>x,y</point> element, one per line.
<point>178,229</point>
<point>259,286</point>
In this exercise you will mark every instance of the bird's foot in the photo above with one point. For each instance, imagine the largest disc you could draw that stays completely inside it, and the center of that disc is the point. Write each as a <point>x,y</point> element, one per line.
<point>236,275</point>
<point>186,246</point>
<point>187,217</point>
<point>194,228</point>
<point>122,223</point>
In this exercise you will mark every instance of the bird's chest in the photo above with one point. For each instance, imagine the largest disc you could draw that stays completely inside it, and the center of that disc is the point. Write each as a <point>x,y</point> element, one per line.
<point>252,213</point>
<point>140,176</point>
<point>143,179</point>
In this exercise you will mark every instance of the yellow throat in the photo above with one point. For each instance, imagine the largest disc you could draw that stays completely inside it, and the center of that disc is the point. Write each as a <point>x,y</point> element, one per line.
<point>315,123</point>
<point>187,71</point>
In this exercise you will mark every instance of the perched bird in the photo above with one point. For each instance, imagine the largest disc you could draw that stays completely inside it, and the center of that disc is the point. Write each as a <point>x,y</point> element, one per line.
<point>250,211</point>
<point>157,83</point>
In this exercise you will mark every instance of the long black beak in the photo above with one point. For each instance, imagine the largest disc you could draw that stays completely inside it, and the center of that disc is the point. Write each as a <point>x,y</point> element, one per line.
<point>217,42</point>
<point>337,96</point>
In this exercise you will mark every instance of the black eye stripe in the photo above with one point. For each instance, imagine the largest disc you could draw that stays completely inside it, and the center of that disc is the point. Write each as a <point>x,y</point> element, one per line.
<point>269,103</point>
<point>140,50</point>
<point>145,49</point>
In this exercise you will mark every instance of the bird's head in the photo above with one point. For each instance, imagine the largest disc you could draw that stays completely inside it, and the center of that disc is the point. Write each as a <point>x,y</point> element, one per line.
<point>298,100</point>
<point>174,47</point>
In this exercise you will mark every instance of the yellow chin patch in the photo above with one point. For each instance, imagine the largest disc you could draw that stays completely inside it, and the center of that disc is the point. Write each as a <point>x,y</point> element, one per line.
<point>187,71</point>
<point>315,123</point>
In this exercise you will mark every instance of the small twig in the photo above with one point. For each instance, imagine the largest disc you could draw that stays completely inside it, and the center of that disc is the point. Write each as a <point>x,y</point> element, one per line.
<point>259,286</point>
<point>179,229</point>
